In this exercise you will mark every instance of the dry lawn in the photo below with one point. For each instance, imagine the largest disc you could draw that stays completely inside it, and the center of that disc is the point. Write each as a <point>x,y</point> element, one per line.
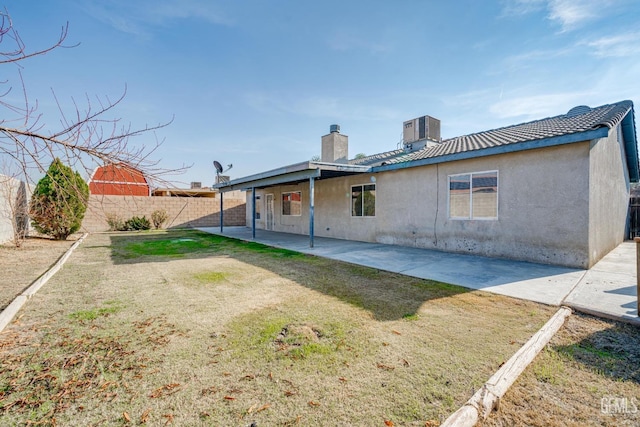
<point>184,328</point>
<point>589,375</point>
<point>22,266</point>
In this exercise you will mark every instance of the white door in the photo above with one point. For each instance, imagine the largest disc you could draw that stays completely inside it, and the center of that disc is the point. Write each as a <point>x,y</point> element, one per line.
<point>269,219</point>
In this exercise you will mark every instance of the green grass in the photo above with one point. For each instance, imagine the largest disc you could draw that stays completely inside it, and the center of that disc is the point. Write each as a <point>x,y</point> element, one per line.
<point>578,350</point>
<point>93,314</point>
<point>551,367</point>
<point>366,272</point>
<point>166,247</point>
<point>264,249</point>
<point>272,335</point>
<point>211,277</point>
<point>182,243</point>
<point>280,331</point>
<point>410,316</point>
<point>438,288</point>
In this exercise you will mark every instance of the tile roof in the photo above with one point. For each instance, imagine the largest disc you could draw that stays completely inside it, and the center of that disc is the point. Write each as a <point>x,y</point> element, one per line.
<point>376,159</point>
<point>578,119</point>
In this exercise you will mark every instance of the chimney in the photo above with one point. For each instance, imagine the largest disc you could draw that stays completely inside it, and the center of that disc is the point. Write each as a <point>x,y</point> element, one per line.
<point>335,146</point>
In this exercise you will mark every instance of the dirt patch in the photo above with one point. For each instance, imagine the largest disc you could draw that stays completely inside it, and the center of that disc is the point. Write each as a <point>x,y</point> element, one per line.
<point>22,266</point>
<point>587,376</point>
<point>229,333</point>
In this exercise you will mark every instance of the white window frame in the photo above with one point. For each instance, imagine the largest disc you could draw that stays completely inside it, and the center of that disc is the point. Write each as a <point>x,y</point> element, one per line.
<point>471,217</point>
<point>282,203</point>
<point>375,202</point>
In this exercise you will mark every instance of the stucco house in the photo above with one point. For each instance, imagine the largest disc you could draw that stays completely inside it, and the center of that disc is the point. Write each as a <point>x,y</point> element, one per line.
<point>554,190</point>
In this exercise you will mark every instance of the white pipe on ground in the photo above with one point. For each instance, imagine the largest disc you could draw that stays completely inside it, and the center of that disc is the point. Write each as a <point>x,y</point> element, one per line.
<point>487,398</point>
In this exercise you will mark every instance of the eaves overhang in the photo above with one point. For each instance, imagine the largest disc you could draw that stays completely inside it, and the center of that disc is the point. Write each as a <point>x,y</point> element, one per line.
<point>601,132</point>
<point>292,174</point>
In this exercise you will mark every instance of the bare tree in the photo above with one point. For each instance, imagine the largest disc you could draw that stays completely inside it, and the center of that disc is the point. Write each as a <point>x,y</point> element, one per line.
<point>86,138</point>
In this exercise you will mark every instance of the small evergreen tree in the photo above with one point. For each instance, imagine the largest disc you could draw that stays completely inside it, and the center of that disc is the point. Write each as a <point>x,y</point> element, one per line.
<point>59,202</point>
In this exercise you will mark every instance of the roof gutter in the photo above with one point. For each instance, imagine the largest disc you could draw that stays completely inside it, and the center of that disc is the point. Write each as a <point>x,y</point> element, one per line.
<point>628,127</point>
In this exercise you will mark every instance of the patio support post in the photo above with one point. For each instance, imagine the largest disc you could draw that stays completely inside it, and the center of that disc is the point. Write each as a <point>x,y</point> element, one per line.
<point>637,240</point>
<point>253,213</point>
<point>311,208</point>
<point>221,213</point>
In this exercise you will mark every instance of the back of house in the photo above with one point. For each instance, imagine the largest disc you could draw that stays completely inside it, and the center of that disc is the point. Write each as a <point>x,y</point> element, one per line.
<point>554,190</point>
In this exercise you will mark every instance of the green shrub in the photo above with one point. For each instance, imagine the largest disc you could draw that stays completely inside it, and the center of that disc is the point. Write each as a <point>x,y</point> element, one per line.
<point>137,223</point>
<point>159,217</point>
<point>59,202</point>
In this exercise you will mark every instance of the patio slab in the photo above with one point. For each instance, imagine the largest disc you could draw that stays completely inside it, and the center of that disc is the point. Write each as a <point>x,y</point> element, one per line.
<point>608,289</point>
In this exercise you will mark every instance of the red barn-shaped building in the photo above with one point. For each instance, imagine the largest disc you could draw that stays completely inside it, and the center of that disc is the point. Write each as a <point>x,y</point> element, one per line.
<point>118,180</point>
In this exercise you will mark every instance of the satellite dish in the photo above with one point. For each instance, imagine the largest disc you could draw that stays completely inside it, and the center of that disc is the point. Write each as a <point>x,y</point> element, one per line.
<point>218,166</point>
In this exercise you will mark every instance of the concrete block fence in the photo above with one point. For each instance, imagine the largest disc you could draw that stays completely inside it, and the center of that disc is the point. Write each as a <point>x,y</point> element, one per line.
<point>181,211</point>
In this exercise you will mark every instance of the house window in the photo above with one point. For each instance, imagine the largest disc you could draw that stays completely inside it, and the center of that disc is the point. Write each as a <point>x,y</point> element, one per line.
<point>473,195</point>
<point>363,200</point>
<point>292,203</point>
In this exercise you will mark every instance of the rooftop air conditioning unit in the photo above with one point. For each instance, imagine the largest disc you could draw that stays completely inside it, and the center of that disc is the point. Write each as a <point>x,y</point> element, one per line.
<point>425,127</point>
<point>195,185</point>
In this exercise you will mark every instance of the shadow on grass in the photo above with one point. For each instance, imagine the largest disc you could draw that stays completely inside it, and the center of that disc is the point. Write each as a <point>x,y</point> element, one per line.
<point>613,352</point>
<point>387,296</point>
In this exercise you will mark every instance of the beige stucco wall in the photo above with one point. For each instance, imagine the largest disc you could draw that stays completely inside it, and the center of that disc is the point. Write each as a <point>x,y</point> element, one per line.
<point>181,211</point>
<point>543,202</point>
<point>609,195</point>
<point>549,211</point>
<point>14,200</point>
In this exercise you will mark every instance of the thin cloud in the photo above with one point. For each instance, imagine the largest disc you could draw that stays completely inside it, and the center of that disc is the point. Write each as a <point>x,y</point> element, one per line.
<point>345,41</point>
<point>320,107</point>
<point>197,9</point>
<point>531,58</point>
<point>537,106</point>
<point>522,7</point>
<point>621,45</point>
<point>139,17</point>
<point>571,14</point>
<point>106,14</point>
<point>568,14</point>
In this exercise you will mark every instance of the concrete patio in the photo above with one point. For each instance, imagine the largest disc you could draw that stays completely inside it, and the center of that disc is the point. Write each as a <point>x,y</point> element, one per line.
<point>608,289</point>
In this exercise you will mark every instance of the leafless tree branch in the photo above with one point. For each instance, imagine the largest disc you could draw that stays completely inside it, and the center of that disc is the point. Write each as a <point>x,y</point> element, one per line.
<point>87,138</point>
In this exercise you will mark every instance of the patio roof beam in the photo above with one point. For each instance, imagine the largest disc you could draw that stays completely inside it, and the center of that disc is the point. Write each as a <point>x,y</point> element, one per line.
<point>287,178</point>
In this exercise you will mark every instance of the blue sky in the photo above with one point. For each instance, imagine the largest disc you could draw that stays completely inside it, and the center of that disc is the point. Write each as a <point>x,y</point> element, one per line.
<point>257,83</point>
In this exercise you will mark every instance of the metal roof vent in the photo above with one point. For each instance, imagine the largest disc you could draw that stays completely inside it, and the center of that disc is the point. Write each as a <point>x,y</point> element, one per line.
<point>576,111</point>
<point>334,129</point>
